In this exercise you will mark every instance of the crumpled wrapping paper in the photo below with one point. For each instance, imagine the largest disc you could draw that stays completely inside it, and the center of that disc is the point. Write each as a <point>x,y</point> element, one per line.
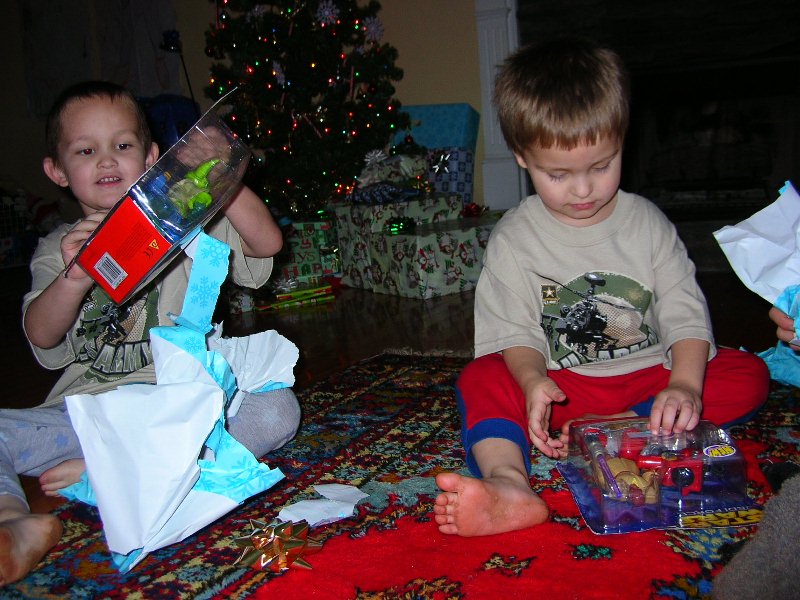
<point>261,362</point>
<point>764,251</point>
<point>160,463</point>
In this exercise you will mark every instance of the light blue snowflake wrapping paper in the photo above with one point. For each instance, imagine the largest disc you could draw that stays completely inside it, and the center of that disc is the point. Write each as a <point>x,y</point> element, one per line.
<point>764,251</point>
<point>160,463</point>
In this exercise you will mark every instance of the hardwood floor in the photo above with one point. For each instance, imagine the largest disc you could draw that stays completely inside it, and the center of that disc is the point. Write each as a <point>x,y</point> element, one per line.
<point>357,325</point>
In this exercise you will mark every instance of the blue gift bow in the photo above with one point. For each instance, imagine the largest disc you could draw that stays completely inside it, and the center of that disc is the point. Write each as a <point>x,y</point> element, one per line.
<point>234,473</point>
<point>782,361</point>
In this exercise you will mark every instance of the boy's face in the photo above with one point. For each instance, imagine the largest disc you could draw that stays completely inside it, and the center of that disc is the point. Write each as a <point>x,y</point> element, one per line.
<point>579,186</point>
<point>100,153</point>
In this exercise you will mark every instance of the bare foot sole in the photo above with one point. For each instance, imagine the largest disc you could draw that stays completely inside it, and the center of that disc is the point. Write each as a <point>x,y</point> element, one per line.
<point>23,543</point>
<point>62,475</point>
<point>468,506</point>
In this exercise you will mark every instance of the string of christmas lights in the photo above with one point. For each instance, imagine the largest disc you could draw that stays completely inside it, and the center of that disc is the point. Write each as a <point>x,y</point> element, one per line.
<point>315,93</point>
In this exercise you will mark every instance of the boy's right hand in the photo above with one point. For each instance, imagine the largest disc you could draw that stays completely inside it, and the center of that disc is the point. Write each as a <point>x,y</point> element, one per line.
<point>74,239</point>
<point>198,146</point>
<point>52,313</point>
<point>539,397</point>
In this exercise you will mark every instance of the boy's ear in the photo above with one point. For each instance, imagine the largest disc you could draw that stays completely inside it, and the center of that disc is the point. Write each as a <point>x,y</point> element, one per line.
<point>520,161</point>
<point>55,172</point>
<point>152,155</point>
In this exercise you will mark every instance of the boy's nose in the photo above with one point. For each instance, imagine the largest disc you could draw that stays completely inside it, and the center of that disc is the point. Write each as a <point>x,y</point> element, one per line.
<point>106,159</point>
<point>581,187</point>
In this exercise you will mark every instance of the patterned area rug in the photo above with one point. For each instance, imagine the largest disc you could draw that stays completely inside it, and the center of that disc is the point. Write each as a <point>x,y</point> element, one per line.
<point>388,425</point>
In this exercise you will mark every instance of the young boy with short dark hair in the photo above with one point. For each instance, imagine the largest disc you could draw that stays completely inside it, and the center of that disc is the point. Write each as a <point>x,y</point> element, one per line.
<point>98,145</point>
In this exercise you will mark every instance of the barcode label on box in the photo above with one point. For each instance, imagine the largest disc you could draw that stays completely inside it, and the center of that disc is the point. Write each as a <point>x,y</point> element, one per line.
<point>110,270</point>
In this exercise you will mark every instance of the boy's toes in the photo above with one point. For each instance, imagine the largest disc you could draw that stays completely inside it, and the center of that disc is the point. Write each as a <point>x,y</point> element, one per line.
<point>449,482</point>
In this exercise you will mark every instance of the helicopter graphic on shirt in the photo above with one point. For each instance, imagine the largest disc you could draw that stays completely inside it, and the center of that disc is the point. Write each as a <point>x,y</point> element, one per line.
<point>595,324</point>
<point>582,324</point>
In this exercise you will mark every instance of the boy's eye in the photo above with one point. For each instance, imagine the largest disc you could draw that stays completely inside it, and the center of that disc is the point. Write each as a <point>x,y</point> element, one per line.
<point>86,152</point>
<point>124,146</point>
<point>556,178</point>
<point>602,169</point>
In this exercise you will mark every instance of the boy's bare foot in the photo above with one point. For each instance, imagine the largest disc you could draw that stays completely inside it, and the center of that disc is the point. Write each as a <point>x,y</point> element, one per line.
<point>24,540</point>
<point>468,506</point>
<point>62,475</point>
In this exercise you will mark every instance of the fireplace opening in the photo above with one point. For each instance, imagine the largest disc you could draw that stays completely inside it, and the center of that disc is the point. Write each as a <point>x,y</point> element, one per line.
<point>715,106</point>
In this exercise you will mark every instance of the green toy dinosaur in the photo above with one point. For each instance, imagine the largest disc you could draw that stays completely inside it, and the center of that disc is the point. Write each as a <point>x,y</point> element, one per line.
<point>191,193</point>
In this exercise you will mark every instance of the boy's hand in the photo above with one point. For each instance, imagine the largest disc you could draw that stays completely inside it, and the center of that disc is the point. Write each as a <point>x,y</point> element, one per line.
<point>53,312</point>
<point>676,408</point>
<point>785,331</point>
<point>539,398</point>
<point>200,146</point>
<point>74,239</point>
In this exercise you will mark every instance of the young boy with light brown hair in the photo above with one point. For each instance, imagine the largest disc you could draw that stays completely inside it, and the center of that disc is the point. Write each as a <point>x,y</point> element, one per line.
<point>587,303</point>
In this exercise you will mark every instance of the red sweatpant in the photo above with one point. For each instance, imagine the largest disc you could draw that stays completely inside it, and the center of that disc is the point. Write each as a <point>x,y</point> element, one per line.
<point>492,404</point>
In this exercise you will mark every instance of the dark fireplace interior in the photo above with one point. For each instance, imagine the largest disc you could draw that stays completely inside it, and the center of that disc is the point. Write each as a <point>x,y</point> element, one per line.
<point>715,95</point>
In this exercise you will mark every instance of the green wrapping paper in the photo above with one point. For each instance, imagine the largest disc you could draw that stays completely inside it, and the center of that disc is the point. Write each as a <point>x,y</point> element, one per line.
<point>360,228</point>
<point>434,259</point>
<point>310,253</point>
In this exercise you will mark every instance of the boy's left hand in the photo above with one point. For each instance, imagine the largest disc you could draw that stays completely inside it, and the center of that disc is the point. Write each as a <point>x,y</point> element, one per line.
<point>785,331</point>
<point>676,408</point>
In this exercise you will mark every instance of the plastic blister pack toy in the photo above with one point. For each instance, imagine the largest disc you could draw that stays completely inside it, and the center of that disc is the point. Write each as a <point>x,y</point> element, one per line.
<point>626,479</point>
<point>165,208</point>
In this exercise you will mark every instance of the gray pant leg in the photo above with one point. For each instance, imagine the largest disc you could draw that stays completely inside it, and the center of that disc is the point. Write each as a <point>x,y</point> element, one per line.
<point>767,565</point>
<point>266,421</point>
<point>33,440</point>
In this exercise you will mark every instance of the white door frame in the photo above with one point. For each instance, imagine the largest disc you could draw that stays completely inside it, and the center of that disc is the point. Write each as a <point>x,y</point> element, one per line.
<point>505,184</point>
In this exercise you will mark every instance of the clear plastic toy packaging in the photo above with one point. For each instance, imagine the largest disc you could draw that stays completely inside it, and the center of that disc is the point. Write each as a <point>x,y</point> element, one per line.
<point>625,479</point>
<point>165,208</point>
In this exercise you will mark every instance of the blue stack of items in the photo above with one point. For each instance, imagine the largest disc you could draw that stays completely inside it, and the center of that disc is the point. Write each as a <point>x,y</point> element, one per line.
<point>450,134</point>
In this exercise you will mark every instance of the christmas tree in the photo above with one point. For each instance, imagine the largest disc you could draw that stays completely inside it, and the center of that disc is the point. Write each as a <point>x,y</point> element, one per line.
<point>315,94</point>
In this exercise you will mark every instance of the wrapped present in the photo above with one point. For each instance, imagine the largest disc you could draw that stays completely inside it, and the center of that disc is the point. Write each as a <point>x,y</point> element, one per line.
<point>240,300</point>
<point>435,259</point>
<point>182,468</point>
<point>320,235</point>
<point>386,180</point>
<point>357,224</point>
<point>451,170</point>
<point>442,126</point>
<point>449,132</point>
<point>310,253</point>
<point>380,168</point>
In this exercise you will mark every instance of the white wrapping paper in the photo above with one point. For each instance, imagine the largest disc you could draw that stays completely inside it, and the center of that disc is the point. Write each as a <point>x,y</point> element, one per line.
<point>764,250</point>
